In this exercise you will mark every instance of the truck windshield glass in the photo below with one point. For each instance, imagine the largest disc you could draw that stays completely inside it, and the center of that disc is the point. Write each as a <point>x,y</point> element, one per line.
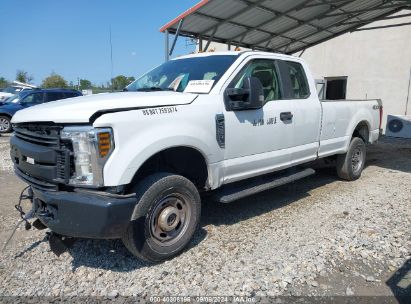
<point>175,74</point>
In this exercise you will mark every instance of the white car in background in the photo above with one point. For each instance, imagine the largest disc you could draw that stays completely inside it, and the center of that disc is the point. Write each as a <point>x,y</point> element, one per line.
<point>14,89</point>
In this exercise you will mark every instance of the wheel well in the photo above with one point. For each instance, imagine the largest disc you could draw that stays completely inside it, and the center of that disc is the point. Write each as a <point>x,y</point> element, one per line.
<point>362,131</point>
<point>184,161</point>
<point>5,114</point>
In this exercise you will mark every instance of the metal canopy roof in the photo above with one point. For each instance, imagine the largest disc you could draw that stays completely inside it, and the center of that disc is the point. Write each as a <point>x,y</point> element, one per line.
<point>285,26</point>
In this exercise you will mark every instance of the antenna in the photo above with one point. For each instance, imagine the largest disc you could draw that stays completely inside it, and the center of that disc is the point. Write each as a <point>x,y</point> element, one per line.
<point>111,60</point>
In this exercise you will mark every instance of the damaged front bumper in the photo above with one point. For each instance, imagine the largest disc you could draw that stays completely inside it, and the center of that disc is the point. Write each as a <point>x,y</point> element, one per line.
<point>84,214</point>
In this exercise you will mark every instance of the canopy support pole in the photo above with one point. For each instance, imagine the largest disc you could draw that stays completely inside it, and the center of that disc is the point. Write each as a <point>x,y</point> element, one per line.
<point>166,45</point>
<point>200,44</point>
<point>180,24</point>
<point>210,39</point>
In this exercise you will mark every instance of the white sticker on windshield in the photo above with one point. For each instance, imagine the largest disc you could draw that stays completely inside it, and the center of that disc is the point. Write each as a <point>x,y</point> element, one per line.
<point>199,86</point>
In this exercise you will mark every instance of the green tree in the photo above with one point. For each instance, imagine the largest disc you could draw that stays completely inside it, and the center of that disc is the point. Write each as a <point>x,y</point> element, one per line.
<point>23,76</point>
<point>120,82</point>
<point>3,82</point>
<point>85,84</point>
<point>54,81</point>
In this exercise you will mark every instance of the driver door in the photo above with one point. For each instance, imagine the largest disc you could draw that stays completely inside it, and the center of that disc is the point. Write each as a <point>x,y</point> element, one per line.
<point>258,141</point>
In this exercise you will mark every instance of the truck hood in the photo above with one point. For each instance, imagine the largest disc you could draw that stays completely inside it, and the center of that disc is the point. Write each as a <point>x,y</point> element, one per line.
<point>81,109</point>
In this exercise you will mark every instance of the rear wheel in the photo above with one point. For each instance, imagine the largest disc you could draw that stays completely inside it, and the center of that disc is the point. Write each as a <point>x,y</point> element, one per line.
<point>165,218</point>
<point>5,124</point>
<point>351,164</point>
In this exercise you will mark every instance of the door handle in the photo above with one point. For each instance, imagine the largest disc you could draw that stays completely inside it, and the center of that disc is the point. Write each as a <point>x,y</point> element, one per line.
<point>285,116</point>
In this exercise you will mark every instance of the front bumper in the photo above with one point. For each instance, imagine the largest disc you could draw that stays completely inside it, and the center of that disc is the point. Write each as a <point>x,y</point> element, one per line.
<point>84,214</point>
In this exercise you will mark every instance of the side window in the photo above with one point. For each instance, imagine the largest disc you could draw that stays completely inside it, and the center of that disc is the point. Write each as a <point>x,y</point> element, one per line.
<point>52,96</point>
<point>295,80</point>
<point>28,99</point>
<point>265,70</point>
<point>35,98</point>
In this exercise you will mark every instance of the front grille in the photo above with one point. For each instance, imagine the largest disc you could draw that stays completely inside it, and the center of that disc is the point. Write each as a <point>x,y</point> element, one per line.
<point>46,139</point>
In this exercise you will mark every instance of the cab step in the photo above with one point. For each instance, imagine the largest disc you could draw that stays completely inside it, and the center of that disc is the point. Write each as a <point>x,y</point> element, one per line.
<point>236,191</point>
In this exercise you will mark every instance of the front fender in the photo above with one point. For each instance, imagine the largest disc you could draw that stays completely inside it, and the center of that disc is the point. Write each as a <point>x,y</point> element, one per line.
<point>138,137</point>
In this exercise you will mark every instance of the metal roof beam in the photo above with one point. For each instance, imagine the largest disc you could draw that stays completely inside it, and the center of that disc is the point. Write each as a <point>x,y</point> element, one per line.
<point>328,2</point>
<point>381,27</point>
<point>223,21</point>
<point>331,9</point>
<point>279,14</point>
<point>271,20</point>
<point>333,25</point>
<point>342,10</point>
<point>343,13</point>
<point>242,26</point>
<point>376,19</point>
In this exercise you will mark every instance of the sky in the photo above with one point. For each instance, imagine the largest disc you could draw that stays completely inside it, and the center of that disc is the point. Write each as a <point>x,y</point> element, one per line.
<point>71,38</point>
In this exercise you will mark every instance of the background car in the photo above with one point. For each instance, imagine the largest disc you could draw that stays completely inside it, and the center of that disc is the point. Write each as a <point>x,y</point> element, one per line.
<point>29,98</point>
<point>16,88</point>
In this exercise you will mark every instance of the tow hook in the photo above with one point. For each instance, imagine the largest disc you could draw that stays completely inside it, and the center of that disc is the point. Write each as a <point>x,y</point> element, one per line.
<point>59,244</point>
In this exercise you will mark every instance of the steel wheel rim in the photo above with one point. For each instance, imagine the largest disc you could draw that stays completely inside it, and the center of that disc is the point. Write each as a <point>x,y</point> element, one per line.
<point>357,160</point>
<point>4,124</point>
<point>170,219</point>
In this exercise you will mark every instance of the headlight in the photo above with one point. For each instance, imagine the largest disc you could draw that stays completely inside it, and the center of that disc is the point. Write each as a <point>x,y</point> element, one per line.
<point>91,147</point>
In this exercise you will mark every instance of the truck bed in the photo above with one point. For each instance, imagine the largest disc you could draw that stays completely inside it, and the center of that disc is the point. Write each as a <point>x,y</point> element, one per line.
<point>340,117</point>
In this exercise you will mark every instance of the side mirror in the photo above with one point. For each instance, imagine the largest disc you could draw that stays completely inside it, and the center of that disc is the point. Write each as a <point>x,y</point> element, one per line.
<point>250,97</point>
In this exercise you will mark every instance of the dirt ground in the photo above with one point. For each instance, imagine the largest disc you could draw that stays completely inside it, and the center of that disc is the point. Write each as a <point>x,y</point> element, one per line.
<point>318,237</point>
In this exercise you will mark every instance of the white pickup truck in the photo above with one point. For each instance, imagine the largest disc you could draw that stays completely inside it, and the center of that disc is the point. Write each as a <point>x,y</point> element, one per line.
<point>134,165</point>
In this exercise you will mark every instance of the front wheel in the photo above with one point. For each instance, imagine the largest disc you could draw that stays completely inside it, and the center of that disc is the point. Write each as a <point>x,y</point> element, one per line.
<point>165,218</point>
<point>5,124</point>
<point>351,164</point>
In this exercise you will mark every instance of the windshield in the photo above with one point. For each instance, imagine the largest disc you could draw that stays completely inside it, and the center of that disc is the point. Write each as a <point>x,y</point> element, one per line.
<point>18,97</point>
<point>13,99</point>
<point>175,74</point>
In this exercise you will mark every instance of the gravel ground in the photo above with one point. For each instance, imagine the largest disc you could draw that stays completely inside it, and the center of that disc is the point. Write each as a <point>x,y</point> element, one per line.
<point>318,237</point>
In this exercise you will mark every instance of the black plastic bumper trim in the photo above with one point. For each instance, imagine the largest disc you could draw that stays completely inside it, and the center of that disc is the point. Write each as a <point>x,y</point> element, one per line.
<point>83,215</point>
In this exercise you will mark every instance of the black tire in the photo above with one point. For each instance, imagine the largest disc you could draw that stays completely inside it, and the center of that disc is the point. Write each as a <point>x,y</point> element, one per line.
<point>350,165</point>
<point>5,124</point>
<point>162,200</point>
